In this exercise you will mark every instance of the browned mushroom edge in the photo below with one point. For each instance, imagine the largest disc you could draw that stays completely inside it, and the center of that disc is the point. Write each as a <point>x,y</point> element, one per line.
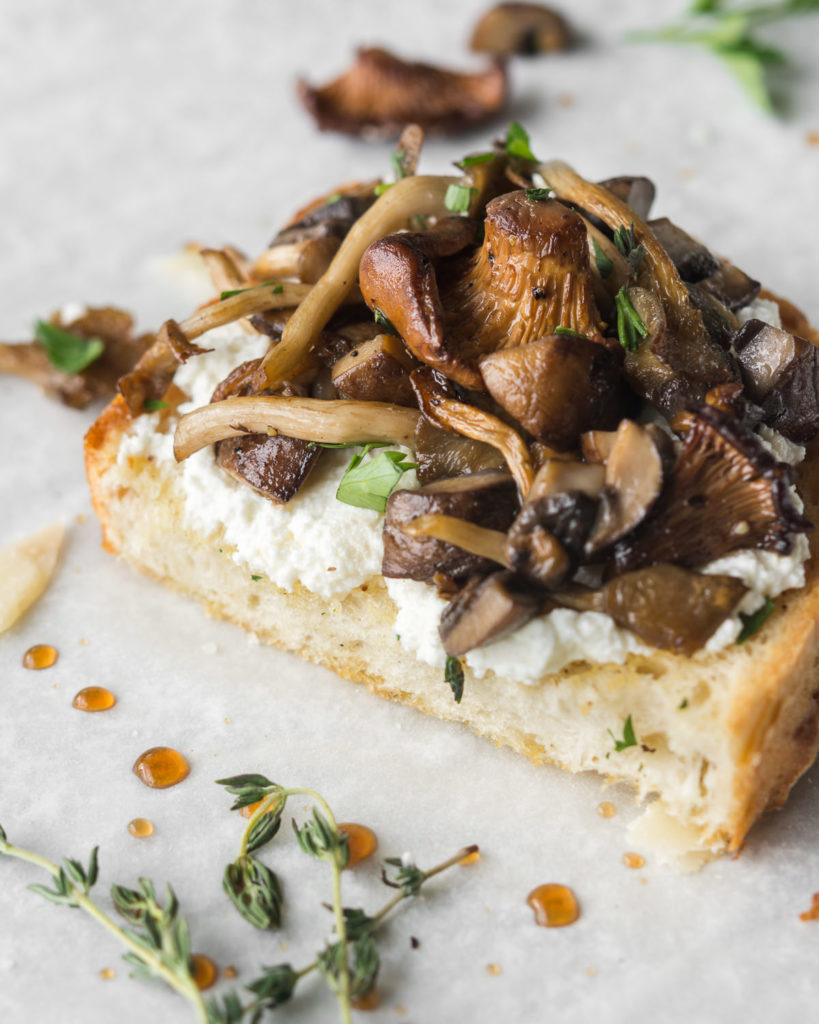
<point>552,450</point>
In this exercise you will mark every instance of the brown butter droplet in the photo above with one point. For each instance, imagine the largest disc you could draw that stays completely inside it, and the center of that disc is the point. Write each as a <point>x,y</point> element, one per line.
<point>40,656</point>
<point>606,809</point>
<point>161,767</point>
<point>230,972</point>
<point>204,971</point>
<point>554,905</point>
<point>94,698</point>
<point>493,968</point>
<point>107,973</point>
<point>634,860</point>
<point>141,828</point>
<point>362,842</point>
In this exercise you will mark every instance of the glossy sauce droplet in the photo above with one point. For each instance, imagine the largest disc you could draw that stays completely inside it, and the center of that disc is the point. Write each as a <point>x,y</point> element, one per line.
<point>230,972</point>
<point>141,828</point>
<point>362,842</point>
<point>554,905</point>
<point>371,1001</point>
<point>161,767</point>
<point>107,973</point>
<point>634,860</point>
<point>204,971</point>
<point>40,656</point>
<point>811,914</point>
<point>606,809</point>
<point>94,698</point>
<point>493,968</point>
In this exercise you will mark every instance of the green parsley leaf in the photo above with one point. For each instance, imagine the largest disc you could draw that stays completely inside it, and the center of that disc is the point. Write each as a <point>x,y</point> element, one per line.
<point>454,675</point>
<point>754,622</point>
<point>154,404</point>
<point>332,199</point>
<point>68,352</point>
<point>255,578</point>
<point>383,322</point>
<point>537,195</point>
<point>683,704</point>
<point>629,324</point>
<point>277,290</point>
<point>379,190</point>
<point>517,143</point>
<point>602,262</point>
<point>628,740</point>
<point>568,330</point>
<point>458,198</point>
<point>369,484</point>
<point>476,158</point>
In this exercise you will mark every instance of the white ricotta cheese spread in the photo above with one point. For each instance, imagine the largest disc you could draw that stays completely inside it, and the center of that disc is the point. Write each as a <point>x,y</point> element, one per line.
<point>330,548</point>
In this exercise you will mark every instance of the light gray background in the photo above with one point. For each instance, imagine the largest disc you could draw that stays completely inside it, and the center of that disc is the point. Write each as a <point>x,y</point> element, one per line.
<point>130,128</point>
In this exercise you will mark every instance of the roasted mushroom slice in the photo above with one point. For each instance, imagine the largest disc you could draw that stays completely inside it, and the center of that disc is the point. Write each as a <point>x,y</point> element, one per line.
<point>557,387</point>
<point>121,350</point>
<point>725,493</point>
<point>558,476</point>
<point>635,191</point>
<point>546,540</point>
<point>487,499</point>
<point>330,217</point>
<point>440,453</point>
<point>693,261</point>
<point>486,610</point>
<point>732,286</point>
<point>781,373</point>
<point>153,373</point>
<point>521,29</point>
<point>634,479</point>
<point>381,93</point>
<point>666,606</point>
<point>377,371</point>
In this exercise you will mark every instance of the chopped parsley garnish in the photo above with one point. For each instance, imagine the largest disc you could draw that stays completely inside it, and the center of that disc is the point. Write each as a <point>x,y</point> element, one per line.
<point>255,578</point>
<point>383,322</point>
<point>568,330</point>
<point>602,262</point>
<point>458,198</point>
<point>628,740</point>
<point>454,675</point>
<point>277,289</point>
<point>154,404</point>
<point>369,484</point>
<point>476,158</point>
<point>626,242</point>
<point>537,195</point>
<point>683,704</point>
<point>630,327</point>
<point>754,622</point>
<point>517,143</point>
<point>66,351</point>
<point>379,190</point>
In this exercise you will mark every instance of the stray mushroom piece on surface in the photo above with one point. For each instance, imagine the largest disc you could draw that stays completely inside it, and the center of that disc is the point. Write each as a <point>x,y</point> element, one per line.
<point>520,29</point>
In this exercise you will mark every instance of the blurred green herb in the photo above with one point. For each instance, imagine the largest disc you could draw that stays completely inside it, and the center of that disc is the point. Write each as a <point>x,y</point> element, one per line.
<point>277,289</point>
<point>369,484</point>
<point>66,351</point>
<point>754,622</point>
<point>454,675</point>
<point>630,327</point>
<point>458,197</point>
<point>728,31</point>
<point>517,143</point>
<point>628,740</point>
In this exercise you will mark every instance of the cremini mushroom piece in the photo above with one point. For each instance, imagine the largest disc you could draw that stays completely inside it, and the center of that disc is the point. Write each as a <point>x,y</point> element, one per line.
<point>486,610</point>
<point>521,29</point>
<point>381,93</point>
<point>376,371</point>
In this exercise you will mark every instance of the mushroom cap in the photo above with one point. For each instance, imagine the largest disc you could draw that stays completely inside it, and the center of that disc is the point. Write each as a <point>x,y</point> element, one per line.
<point>520,29</point>
<point>381,93</point>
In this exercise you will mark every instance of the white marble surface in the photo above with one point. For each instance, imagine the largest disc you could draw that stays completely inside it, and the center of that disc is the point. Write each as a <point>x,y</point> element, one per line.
<point>129,128</point>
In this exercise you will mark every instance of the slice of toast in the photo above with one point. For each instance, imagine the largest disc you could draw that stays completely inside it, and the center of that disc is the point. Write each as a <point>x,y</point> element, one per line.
<point>720,738</point>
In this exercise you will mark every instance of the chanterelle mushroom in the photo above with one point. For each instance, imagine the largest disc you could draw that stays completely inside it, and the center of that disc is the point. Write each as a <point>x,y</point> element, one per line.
<point>726,492</point>
<point>381,93</point>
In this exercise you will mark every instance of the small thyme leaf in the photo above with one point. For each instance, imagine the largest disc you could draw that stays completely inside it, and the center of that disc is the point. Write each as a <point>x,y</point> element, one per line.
<point>383,322</point>
<point>408,877</point>
<point>255,578</point>
<point>277,289</point>
<point>369,484</point>
<point>264,829</point>
<point>154,404</point>
<point>630,327</point>
<point>255,891</point>
<point>475,158</point>
<point>683,704</point>
<point>537,195</point>
<point>66,351</point>
<point>238,783</point>
<point>569,331</point>
<point>454,675</point>
<point>628,740</point>
<point>753,623</point>
<point>458,197</point>
<point>626,242</point>
<point>602,262</point>
<point>275,986</point>
<point>517,143</point>
<point>320,839</point>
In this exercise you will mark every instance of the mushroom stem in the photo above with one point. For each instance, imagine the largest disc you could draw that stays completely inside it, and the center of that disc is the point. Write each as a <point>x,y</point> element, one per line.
<point>307,260</point>
<point>483,426</point>
<point>223,270</point>
<point>568,184</point>
<point>254,300</point>
<point>477,540</point>
<point>340,421</point>
<point>419,194</point>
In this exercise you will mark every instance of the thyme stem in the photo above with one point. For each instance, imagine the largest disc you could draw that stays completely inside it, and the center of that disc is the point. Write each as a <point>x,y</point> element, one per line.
<point>189,989</point>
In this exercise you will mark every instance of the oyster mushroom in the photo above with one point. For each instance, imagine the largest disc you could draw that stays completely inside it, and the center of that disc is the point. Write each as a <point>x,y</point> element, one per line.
<point>440,453</point>
<point>557,387</point>
<point>732,286</point>
<point>781,373</point>
<point>521,29</point>
<point>381,93</point>
<point>635,191</point>
<point>530,275</point>
<point>691,258</point>
<point>726,492</point>
<point>666,606</point>
<point>486,610</point>
<point>329,217</point>
<point>485,499</point>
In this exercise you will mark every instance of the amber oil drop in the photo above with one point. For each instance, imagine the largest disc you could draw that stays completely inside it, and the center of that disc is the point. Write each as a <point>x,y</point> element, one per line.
<point>204,971</point>
<point>634,860</point>
<point>606,809</point>
<point>40,656</point>
<point>554,905</point>
<point>361,841</point>
<point>94,698</point>
<point>141,828</point>
<point>161,767</point>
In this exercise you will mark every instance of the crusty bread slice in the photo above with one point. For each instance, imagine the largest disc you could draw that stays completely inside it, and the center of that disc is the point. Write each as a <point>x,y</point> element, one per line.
<point>722,737</point>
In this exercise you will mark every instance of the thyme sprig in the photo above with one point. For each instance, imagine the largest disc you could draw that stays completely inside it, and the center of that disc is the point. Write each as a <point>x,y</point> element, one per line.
<point>727,31</point>
<point>157,937</point>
